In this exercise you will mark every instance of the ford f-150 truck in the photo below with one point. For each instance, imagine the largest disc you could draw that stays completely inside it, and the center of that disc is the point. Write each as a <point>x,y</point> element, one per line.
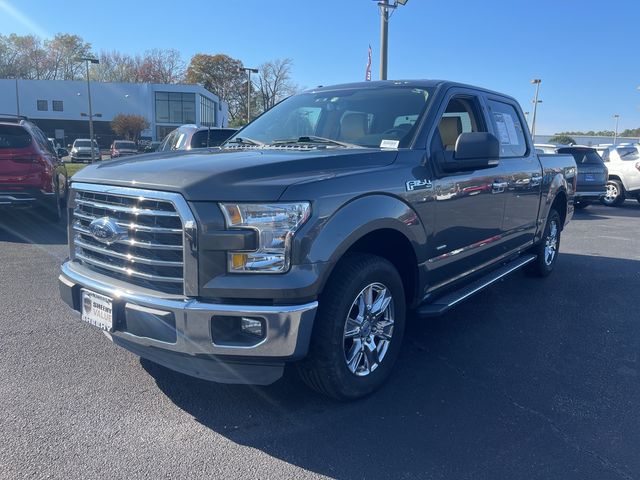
<point>310,233</point>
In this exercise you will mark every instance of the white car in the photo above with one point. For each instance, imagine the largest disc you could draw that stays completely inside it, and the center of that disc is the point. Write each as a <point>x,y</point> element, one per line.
<point>623,163</point>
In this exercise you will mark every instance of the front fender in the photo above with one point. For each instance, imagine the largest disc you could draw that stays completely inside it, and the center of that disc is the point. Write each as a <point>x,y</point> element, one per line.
<point>330,237</point>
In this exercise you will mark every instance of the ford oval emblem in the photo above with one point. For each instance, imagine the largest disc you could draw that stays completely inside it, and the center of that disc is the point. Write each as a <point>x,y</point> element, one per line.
<point>106,230</point>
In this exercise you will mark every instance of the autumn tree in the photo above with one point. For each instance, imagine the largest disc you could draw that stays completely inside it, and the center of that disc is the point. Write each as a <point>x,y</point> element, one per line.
<point>160,66</point>
<point>63,52</point>
<point>274,82</point>
<point>129,126</point>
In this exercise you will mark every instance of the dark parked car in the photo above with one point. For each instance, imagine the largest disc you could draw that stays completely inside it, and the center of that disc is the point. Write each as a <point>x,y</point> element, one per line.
<point>592,174</point>
<point>187,137</point>
<point>308,235</point>
<point>31,172</point>
<point>123,148</point>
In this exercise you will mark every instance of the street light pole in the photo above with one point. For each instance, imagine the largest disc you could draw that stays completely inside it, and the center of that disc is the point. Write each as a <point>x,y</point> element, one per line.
<point>17,99</point>
<point>87,61</point>
<point>536,82</point>
<point>249,72</point>
<point>615,134</point>
<point>385,8</point>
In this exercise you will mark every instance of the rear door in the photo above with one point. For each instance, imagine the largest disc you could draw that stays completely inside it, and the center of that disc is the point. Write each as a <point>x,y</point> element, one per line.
<point>521,171</point>
<point>17,154</point>
<point>469,205</point>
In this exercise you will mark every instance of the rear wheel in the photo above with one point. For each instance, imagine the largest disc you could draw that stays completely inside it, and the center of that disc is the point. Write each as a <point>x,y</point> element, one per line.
<point>614,195</point>
<point>358,330</point>
<point>547,249</point>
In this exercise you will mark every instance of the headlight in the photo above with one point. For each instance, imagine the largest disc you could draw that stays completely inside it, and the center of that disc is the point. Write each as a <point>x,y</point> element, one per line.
<point>275,225</point>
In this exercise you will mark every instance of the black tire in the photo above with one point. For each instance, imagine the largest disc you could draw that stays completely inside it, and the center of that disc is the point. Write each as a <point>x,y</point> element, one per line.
<point>325,369</point>
<point>615,194</point>
<point>581,205</point>
<point>542,266</point>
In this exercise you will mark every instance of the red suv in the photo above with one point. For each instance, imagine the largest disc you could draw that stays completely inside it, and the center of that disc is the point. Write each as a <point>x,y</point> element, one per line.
<point>31,172</point>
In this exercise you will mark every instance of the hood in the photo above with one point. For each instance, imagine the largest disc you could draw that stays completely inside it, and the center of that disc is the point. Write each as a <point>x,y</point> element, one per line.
<point>251,175</point>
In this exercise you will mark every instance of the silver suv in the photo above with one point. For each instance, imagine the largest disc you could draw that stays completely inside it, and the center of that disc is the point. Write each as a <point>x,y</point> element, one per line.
<point>623,163</point>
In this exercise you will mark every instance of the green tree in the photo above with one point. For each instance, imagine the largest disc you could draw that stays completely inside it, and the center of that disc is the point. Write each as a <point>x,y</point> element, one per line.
<point>562,140</point>
<point>223,76</point>
<point>129,126</point>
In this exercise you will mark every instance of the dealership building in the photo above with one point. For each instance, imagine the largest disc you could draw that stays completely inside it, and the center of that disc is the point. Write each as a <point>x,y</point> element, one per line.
<point>60,107</point>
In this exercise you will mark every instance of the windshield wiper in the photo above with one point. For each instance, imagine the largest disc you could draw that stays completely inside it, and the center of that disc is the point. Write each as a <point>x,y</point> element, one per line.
<point>245,141</point>
<point>314,139</point>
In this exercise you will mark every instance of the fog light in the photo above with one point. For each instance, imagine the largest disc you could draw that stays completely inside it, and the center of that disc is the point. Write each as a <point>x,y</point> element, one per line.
<point>252,326</point>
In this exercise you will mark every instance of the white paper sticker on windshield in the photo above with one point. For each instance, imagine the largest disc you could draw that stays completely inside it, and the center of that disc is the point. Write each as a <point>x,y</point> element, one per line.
<point>389,143</point>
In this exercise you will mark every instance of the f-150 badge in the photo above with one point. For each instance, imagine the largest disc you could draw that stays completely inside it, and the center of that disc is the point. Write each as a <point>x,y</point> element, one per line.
<point>418,185</point>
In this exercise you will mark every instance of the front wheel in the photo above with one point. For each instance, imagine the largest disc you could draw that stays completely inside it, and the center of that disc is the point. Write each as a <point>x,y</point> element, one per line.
<point>358,330</point>
<point>547,249</point>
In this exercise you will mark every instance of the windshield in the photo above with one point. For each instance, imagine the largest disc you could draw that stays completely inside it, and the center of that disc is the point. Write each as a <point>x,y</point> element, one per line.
<point>130,145</point>
<point>363,117</point>
<point>84,144</point>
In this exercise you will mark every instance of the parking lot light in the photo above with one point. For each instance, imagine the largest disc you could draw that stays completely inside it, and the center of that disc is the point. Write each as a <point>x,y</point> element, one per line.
<point>87,61</point>
<point>536,82</point>
<point>615,133</point>
<point>385,9</point>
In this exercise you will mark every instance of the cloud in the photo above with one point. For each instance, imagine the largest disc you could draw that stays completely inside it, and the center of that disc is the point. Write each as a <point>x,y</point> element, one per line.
<point>23,20</point>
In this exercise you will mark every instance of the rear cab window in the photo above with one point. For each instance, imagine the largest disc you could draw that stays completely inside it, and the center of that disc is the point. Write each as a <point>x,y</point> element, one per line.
<point>508,129</point>
<point>14,137</point>
<point>583,156</point>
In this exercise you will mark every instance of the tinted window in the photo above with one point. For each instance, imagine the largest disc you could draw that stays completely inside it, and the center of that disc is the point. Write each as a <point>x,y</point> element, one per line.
<point>42,105</point>
<point>57,105</point>
<point>216,137</point>
<point>14,137</point>
<point>583,157</point>
<point>508,129</point>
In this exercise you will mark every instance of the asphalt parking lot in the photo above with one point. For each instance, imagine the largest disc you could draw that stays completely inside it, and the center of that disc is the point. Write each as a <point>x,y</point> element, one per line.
<point>531,379</point>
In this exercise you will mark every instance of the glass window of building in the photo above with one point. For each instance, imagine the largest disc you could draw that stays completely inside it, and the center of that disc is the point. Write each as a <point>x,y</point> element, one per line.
<point>175,107</point>
<point>57,105</point>
<point>208,109</point>
<point>43,105</point>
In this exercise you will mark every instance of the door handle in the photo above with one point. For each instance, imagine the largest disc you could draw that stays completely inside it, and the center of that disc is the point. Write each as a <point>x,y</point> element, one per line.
<point>499,187</point>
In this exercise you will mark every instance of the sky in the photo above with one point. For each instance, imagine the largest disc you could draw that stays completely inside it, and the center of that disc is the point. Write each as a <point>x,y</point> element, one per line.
<point>584,51</point>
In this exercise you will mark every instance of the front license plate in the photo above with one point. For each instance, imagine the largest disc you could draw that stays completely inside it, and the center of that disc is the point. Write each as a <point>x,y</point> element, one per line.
<point>589,178</point>
<point>97,310</point>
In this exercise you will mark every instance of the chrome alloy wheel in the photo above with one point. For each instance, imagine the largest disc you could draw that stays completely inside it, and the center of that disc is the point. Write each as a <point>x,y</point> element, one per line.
<point>611,193</point>
<point>368,329</point>
<point>551,243</point>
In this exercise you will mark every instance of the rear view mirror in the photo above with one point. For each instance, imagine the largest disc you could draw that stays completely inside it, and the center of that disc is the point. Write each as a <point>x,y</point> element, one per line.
<point>473,151</point>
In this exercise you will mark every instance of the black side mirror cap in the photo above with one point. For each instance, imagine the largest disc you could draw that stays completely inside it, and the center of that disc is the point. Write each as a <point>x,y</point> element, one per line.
<point>473,151</point>
<point>62,152</point>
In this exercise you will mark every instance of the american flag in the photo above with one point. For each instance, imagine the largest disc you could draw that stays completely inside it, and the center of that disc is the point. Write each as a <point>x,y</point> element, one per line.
<point>367,76</point>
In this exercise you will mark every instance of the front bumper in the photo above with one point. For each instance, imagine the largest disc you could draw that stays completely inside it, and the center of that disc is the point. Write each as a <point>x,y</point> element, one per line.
<point>178,332</point>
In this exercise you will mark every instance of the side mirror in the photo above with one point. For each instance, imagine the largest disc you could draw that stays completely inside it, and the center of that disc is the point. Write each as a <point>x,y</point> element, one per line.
<point>63,152</point>
<point>473,151</point>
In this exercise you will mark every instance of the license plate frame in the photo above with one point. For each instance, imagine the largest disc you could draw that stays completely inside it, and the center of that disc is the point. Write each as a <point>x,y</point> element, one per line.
<point>97,309</point>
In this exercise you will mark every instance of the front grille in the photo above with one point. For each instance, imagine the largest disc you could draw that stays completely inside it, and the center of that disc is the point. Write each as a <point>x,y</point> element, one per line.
<point>152,253</point>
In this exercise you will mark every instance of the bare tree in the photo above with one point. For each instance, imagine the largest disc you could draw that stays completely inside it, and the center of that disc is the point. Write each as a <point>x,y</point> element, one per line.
<point>274,82</point>
<point>63,52</point>
<point>160,66</point>
<point>22,56</point>
<point>115,67</point>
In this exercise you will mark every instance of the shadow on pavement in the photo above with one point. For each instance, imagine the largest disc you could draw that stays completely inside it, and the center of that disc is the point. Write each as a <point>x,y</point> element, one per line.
<point>596,211</point>
<point>27,226</point>
<point>532,378</point>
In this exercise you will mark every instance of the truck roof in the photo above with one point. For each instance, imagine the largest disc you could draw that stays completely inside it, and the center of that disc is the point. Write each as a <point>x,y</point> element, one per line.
<point>424,83</point>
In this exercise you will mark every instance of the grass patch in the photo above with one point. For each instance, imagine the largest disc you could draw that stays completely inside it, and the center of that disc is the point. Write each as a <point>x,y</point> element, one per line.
<point>73,168</point>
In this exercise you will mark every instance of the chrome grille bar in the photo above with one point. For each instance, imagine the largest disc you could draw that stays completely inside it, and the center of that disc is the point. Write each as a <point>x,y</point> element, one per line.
<point>157,253</point>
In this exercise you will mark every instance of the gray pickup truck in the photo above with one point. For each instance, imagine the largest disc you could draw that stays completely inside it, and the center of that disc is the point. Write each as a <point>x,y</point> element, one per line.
<point>310,233</point>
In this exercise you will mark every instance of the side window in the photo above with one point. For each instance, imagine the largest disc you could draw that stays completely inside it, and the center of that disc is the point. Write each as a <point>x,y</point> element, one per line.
<point>462,115</point>
<point>508,128</point>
